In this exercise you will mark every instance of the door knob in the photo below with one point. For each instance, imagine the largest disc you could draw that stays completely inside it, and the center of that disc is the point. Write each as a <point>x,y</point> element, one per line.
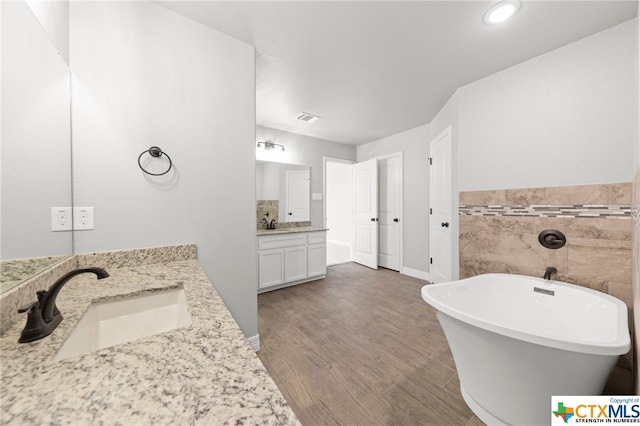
<point>445,224</point>
<point>395,219</point>
<point>290,214</point>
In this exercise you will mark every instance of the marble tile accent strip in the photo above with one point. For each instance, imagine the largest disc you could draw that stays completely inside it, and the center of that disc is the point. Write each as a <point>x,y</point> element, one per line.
<point>574,211</point>
<point>137,257</point>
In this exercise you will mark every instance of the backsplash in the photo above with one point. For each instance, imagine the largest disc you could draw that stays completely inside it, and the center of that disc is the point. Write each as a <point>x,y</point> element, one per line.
<point>266,210</point>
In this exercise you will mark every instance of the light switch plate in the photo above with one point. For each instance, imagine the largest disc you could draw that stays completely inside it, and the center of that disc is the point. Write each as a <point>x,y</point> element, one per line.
<point>316,196</point>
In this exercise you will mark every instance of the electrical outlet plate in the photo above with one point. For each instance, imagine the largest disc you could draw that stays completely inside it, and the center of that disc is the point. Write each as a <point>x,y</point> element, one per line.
<point>82,218</point>
<point>61,219</point>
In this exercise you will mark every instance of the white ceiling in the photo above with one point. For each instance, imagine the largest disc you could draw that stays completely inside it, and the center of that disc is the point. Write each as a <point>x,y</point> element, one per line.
<point>371,69</point>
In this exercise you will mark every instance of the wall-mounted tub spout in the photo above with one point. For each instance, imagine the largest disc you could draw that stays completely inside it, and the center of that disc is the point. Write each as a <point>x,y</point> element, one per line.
<point>549,272</point>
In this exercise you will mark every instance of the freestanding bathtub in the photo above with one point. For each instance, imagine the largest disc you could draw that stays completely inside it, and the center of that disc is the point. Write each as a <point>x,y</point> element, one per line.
<point>517,341</point>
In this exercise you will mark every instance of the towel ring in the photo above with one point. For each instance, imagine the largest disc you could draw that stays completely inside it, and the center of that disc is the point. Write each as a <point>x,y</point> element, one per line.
<point>155,152</point>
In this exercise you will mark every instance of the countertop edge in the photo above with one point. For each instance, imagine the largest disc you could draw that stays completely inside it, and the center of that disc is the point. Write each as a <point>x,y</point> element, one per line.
<point>294,230</point>
<point>203,373</point>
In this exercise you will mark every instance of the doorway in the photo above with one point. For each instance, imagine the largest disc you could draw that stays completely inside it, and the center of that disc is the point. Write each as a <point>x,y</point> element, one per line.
<point>338,212</point>
<point>344,242</point>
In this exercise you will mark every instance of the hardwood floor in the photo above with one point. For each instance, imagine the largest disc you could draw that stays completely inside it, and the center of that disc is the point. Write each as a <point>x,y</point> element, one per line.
<point>360,347</point>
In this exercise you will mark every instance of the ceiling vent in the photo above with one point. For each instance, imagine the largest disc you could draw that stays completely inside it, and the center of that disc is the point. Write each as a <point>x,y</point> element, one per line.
<point>307,118</point>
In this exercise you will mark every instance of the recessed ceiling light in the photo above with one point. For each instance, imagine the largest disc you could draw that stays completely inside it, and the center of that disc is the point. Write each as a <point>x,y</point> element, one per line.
<point>307,118</point>
<point>501,12</point>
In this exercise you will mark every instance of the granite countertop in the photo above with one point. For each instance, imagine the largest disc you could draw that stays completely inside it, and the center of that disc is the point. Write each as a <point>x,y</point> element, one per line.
<point>206,373</point>
<point>291,230</point>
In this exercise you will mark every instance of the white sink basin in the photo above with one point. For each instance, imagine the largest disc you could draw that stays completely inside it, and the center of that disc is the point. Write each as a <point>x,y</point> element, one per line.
<point>112,323</point>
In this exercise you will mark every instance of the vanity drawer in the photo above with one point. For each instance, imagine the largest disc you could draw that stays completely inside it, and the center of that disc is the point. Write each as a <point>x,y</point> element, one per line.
<point>317,237</point>
<point>279,241</point>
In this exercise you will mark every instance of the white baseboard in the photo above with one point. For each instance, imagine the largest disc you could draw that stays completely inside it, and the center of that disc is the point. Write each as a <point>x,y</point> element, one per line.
<point>254,341</point>
<point>339,243</point>
<point>416,273</point>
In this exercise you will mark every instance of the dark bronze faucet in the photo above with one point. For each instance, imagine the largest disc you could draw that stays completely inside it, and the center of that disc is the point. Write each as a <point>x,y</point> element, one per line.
<point>44,315</point>
<point>548,272</point>
<point>270,225</point>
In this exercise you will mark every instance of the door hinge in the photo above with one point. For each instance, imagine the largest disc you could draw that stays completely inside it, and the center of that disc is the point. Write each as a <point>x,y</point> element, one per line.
<point>430,161</point>
<point>431,261</point>
<point>430,211</point>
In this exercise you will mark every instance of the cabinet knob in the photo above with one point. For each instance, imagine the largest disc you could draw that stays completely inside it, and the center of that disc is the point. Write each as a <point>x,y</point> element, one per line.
<point>395,219</point>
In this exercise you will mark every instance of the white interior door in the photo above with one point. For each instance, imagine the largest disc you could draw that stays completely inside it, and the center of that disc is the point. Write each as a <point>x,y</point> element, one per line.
<point>298,196</point>
<point>389,211</point>
<point>365,213</point>
<point>440,229</point>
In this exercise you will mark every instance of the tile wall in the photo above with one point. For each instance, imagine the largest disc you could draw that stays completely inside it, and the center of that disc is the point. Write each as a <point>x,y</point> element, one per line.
<point>635,214</point>
<point>267,210</point>
<point>499,233</point>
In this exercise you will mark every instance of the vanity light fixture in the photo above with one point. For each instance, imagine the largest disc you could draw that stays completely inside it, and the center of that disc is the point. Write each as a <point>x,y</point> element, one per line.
<point>268,145</point>
<point>502,11</point>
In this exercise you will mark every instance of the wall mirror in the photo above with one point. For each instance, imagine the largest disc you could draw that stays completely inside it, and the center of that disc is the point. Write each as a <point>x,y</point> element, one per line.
<point>289,185</point>
<point>36,146</point>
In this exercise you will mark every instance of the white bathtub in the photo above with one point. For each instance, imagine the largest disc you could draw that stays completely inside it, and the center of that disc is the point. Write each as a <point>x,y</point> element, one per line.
<point>515,347</point>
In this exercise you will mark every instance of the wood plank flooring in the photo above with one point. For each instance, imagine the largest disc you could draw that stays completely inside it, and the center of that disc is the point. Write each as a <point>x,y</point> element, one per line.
<point>361,347</point>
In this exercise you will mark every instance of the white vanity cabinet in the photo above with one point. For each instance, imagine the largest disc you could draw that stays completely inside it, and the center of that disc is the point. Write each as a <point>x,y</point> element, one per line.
<point>293,258</point>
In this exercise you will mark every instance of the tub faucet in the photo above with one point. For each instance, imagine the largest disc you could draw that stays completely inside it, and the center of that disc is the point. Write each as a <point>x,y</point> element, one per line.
<point>548,272</point>
<point>44,315</point>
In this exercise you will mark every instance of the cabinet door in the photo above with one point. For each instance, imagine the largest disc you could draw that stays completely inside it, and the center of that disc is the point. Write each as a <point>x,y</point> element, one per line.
<point>270,267</point>
<point>295,263</point>
<point>317,260</point>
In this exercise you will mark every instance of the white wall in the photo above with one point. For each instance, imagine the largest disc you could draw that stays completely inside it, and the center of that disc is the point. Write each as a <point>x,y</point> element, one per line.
<point>36,150</point>
<point>145,76</point>
<point>563,118</point>
<point>268,181</point>
<point>54,18</point>
<point>306,151</point>
<point>414,144</point>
